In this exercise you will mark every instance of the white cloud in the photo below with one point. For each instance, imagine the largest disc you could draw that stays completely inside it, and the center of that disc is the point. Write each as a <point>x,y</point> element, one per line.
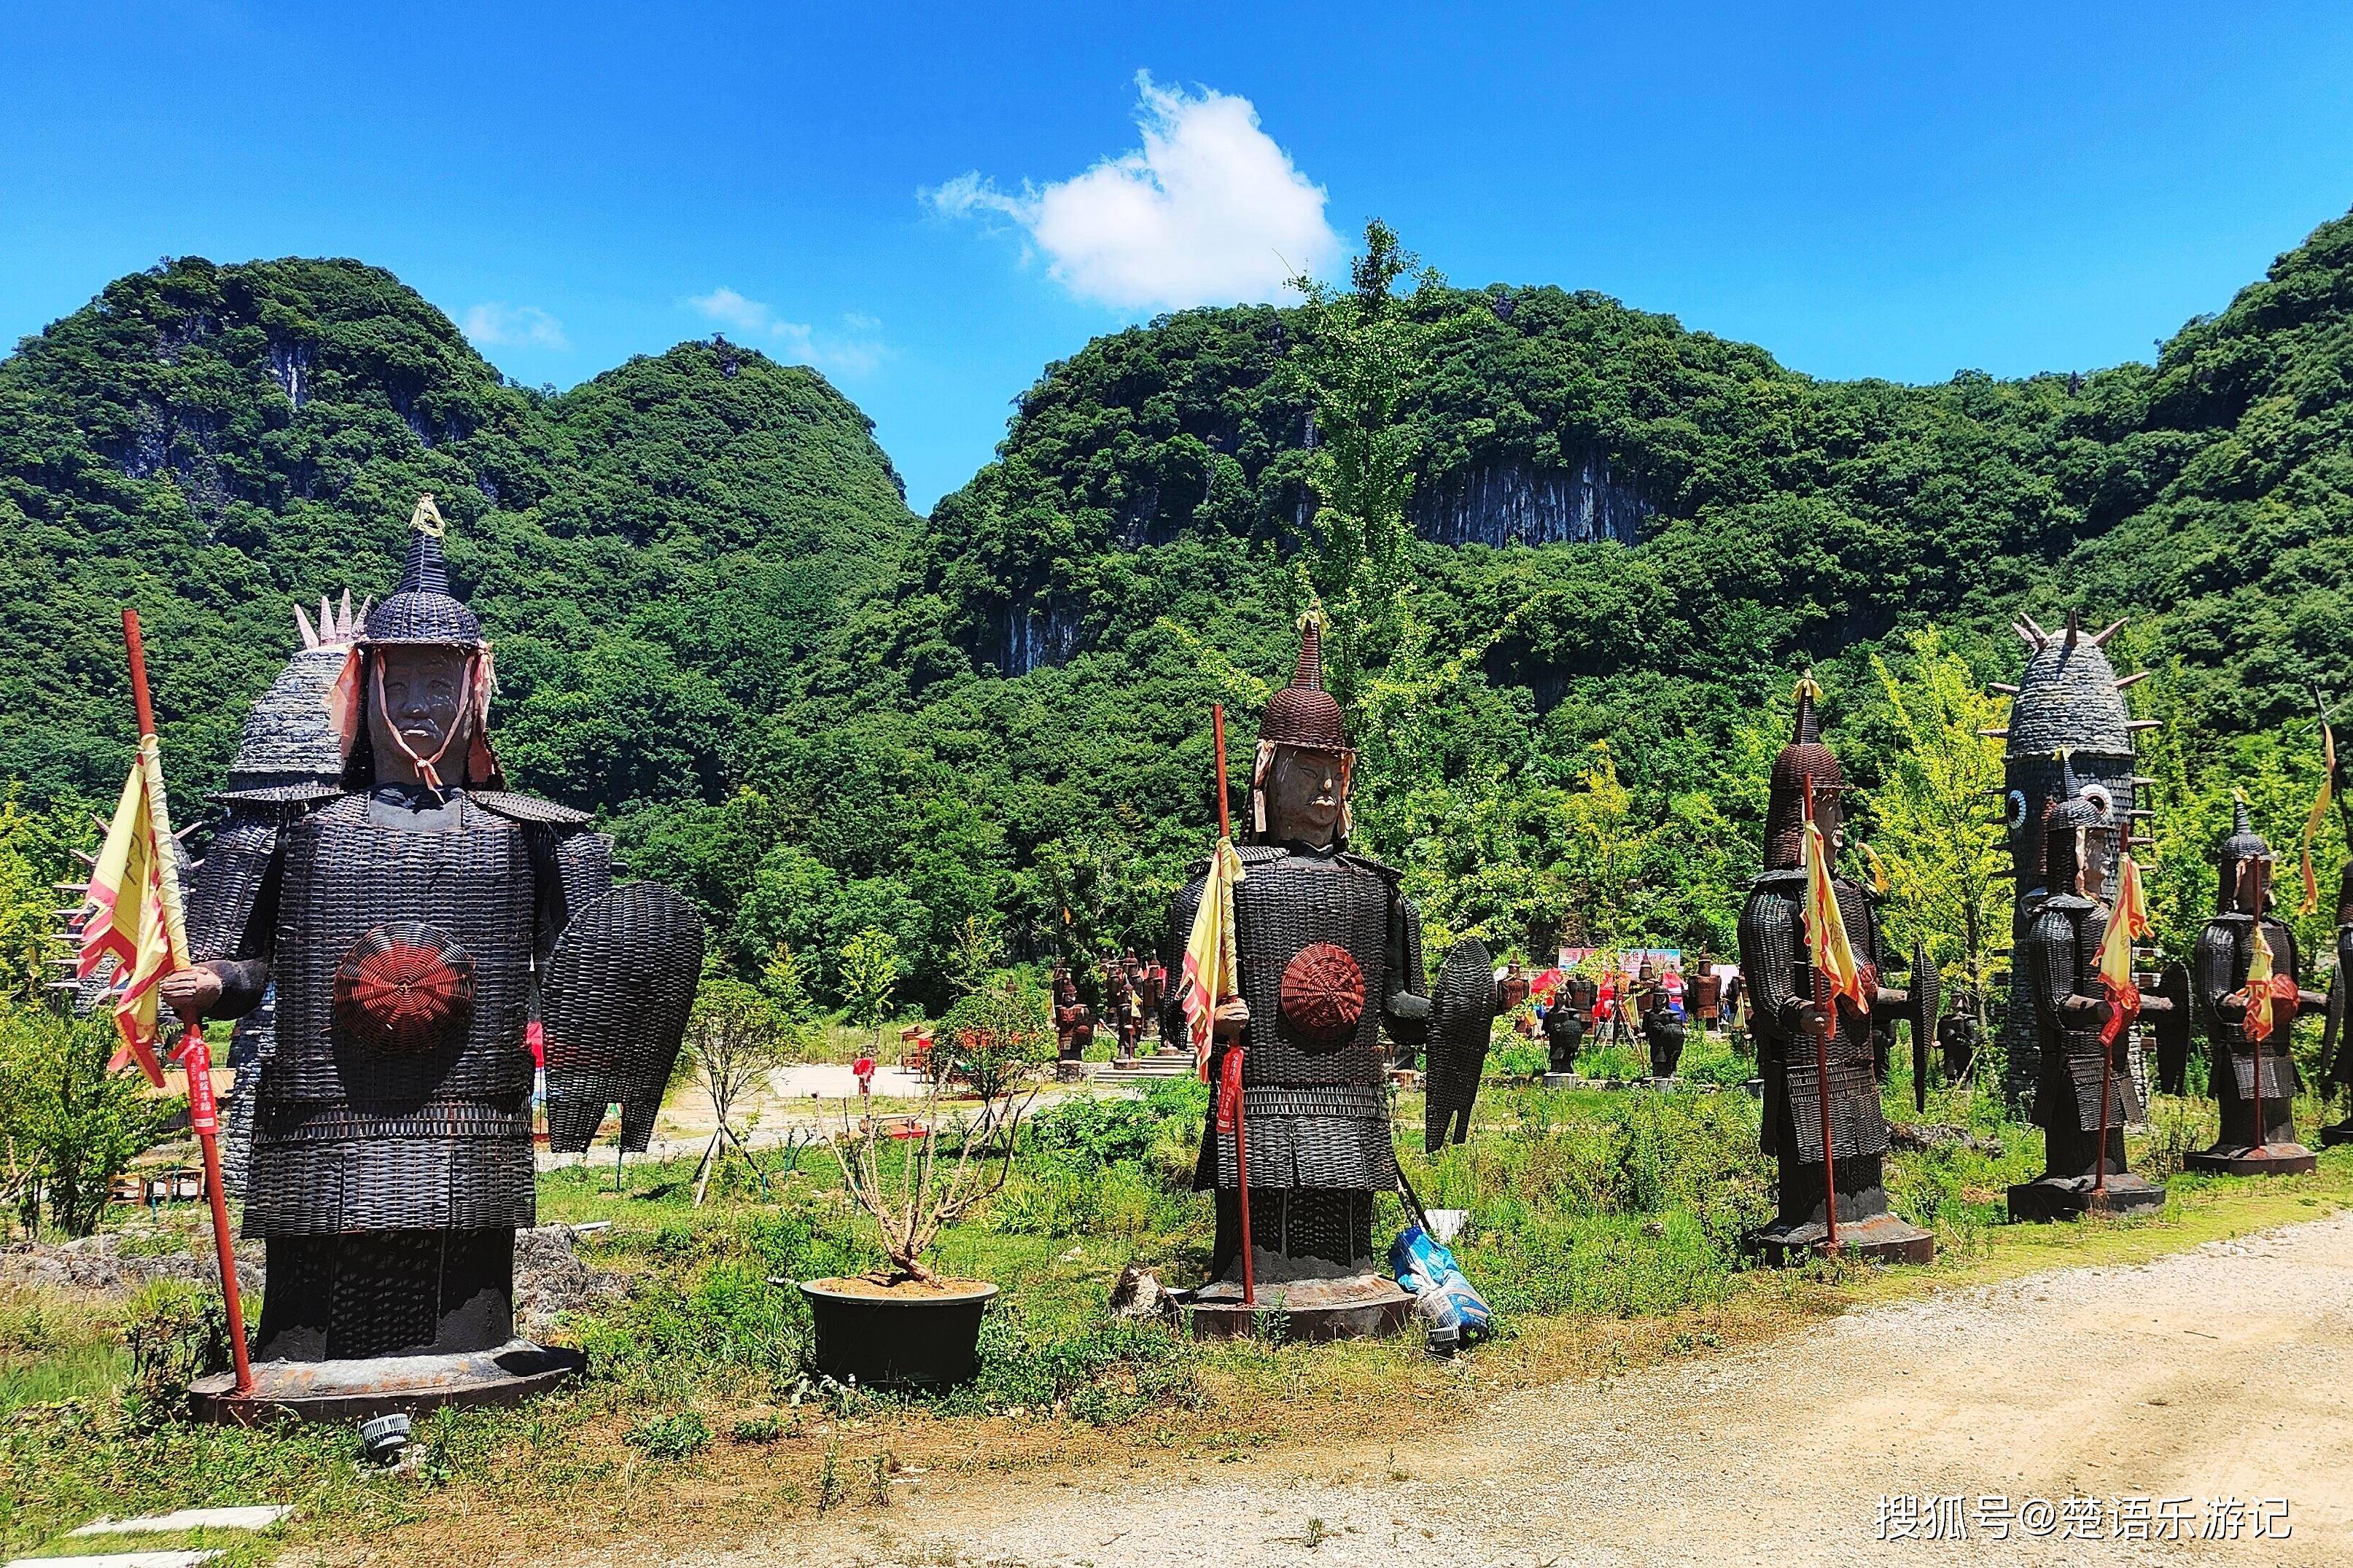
<point>499,325</point>
<point>855,350</point>
<point>1209,211</point>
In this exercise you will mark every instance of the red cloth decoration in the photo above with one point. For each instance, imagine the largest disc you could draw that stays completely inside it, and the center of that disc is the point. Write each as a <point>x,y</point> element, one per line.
<point>1323,994</point>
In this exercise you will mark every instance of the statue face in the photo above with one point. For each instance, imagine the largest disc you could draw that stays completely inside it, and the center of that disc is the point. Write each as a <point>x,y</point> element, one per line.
<point>1304,794</point>
<point>2252,893</point>
<point>423,706</point>
<point>2096,862</point>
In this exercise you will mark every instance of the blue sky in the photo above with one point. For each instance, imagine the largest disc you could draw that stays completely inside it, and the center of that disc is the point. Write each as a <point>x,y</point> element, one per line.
<point>932,204</point>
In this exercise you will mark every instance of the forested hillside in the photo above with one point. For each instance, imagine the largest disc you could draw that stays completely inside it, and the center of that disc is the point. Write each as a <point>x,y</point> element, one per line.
<point>720,628</point>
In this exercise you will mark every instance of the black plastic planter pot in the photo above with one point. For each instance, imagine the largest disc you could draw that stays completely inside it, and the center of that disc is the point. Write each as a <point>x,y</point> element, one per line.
<point>873,1336</point>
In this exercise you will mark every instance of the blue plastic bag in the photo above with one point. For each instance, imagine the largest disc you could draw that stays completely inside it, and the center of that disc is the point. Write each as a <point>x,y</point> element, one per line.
<point>1456,1316</point>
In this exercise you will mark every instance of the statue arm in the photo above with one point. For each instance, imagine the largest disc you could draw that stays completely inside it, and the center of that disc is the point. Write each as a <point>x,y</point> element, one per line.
<point>2214,975</point>
<point>1181,910</point>
<point>1769,939</point>
<point>1406,1009</point>
<point>232,909</point>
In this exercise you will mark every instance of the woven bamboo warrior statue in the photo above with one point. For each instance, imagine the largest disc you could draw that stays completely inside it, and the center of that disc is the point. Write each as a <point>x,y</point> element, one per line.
<point>1074,1026</point>
<point>408,919</point>
<point>1795,1032</point>
<point>1564,1029</point>
<point>2244,973</point>
<point>2084,1025</point>
<point>1330,955</point>
<point>1119,1008</point>
<point>2067,728</point>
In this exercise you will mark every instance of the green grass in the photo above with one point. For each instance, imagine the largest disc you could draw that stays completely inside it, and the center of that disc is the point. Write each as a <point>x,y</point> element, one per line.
<point>1589,1208</point>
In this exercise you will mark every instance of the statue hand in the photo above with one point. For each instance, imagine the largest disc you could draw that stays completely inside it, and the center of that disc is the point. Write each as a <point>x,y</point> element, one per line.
<point>191,991</point>
<point>1814,1021</point>
<point>1231,1019</point>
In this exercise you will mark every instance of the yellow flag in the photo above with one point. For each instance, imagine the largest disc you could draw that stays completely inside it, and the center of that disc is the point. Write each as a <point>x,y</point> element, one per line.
<point>2319,811</point>
<point>135,915</point>
<point>2260,987</point>
<point>1212,970</point>
<point>1827,947</point>
<point>2127,921</point>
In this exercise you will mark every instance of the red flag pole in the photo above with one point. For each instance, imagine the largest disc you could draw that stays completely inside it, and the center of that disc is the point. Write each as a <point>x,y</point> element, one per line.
<point>1241,1112</point>
<point>196,1060</point>
<point>1821,1043</point>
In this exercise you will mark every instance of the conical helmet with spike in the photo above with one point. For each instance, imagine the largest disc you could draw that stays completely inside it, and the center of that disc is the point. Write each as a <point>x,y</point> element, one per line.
<point>1302,713</point>
<point>422,609</point>
<point>2246,866</point>
<point>1805,768</point>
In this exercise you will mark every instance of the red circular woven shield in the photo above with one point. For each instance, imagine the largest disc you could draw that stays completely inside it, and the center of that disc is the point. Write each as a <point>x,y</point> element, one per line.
<point>403,988</point>
<point>1323,994</point>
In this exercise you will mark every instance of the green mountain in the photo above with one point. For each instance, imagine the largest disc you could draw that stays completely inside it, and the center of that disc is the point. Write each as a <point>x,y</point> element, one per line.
<point>654,551</point>
<point>719,625</point>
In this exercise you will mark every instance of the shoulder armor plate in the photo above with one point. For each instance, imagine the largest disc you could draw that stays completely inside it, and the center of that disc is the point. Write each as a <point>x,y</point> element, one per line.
<point>280,794</point>
<point>528,808</point>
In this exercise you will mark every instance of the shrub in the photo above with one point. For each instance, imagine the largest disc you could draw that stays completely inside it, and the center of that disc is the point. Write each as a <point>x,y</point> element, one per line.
<point>1103,1131</point>
<point>996,1034</point>
<point>176,1334</point>
<point>680,1436</point>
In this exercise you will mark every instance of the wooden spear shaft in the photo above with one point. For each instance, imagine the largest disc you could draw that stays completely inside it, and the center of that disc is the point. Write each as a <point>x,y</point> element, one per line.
<point>196,1060</point>
<point>1241,1111</point>
<point>1821,1045</point>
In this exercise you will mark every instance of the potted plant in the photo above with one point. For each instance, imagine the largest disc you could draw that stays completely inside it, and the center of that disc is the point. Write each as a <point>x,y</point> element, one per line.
<point>903,1324</point>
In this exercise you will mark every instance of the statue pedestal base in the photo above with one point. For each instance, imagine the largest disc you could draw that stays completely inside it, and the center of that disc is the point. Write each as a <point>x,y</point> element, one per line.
<point>2071,1197</point>
<point>1354,1307</point>
<point>1881,1238</point>
<point>2342,1132</point>
<point>1070,1072</point>
<point>1560,1081</point>
<point>2272,1160</point>
<point>380,1386</point>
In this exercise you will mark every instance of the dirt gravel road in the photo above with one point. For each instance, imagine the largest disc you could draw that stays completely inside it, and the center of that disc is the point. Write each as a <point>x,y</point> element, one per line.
<point>2221,1372</point>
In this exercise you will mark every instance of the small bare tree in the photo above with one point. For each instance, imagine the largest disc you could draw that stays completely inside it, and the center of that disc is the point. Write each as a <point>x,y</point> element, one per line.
<point>925,1200</point>
<point>736,1036</point>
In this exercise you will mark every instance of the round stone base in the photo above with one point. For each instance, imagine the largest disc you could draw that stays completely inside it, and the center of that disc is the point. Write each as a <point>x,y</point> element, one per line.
<point>2071,1197</point>
<point>380,1386</point>
<point>1357,1307</point>
<point>2272,1160</point>
<point>1881,1238</point>
<point>2341,1132</point>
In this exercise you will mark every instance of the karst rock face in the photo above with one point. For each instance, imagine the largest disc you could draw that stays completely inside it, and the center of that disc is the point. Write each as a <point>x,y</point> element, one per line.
<point>1515,503</point>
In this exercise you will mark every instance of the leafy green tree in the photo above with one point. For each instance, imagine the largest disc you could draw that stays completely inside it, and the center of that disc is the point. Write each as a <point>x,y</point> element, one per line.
<point>870,973</point>
<point>1934,825</point>
<point>736,1036</point>
<point>996,1035</point>
<point>64,1118</point>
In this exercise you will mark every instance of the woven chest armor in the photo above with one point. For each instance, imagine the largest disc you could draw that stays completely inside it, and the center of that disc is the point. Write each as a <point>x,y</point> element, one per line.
<point>2219,967</point>
<point>1772,944</point>
<point>407,1106</point>
<point>2060,958</point>
<point>1313,942</point>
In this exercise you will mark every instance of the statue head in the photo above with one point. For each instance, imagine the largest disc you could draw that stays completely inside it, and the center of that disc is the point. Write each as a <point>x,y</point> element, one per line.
<point>2082,834</point>
<point>1806,778</point>
<point>2245,884</point>
<point>1299,786</point>
<point>413,702</point>
<point>1066,990</point>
